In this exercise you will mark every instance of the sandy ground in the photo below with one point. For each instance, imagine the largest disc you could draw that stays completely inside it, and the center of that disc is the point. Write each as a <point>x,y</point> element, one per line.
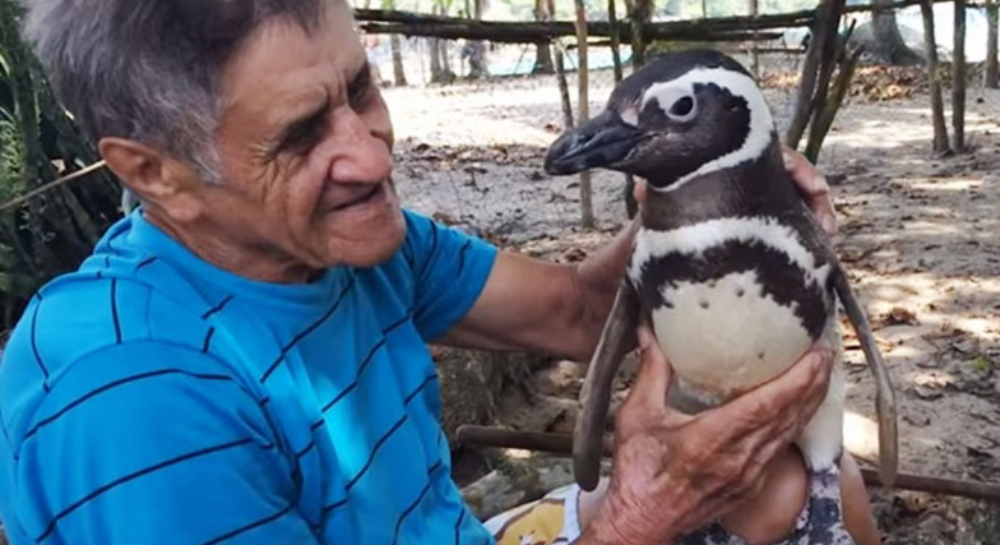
<point>920,236</point>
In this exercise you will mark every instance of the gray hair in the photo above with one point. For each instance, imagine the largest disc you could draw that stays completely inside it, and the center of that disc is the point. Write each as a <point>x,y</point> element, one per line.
<point>149,70</point>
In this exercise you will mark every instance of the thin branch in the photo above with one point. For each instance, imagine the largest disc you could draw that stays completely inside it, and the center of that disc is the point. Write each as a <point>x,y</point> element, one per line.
<point>18,201</point>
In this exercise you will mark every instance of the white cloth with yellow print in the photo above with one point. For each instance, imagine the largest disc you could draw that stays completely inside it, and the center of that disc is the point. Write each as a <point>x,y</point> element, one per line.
<point>552,520</point>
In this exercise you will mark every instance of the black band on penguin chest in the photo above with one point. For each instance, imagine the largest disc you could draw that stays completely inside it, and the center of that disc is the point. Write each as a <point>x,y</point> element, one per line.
<point>776,273</point>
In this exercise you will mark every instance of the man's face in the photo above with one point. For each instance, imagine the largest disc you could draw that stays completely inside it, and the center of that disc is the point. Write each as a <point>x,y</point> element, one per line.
<point>305,143</point>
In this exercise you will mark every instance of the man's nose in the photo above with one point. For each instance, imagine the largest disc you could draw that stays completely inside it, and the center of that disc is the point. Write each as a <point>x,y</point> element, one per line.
<point>360,155</point>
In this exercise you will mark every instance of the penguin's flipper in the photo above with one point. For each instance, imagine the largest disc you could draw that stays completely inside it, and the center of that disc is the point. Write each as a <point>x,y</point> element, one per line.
<point>617,338</point>
<point>885,397</point>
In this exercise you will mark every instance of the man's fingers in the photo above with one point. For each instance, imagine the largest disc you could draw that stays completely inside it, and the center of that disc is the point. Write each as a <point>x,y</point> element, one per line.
<point>793,393</point>
<point>822,206</point>
<point>814,186</point>
<point>650,387</point>
<point>639,189</point>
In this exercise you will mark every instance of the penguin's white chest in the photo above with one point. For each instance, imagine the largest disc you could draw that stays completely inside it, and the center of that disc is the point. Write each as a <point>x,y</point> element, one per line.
<point>725,333</point>
<point>727,336</point>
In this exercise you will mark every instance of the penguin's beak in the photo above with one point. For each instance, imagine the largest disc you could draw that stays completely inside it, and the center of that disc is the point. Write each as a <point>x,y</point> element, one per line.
<point>603,141</point>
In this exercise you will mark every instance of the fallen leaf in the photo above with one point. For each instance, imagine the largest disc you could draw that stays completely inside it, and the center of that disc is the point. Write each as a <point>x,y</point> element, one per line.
<point>981,363</point>
<point>900,316</point>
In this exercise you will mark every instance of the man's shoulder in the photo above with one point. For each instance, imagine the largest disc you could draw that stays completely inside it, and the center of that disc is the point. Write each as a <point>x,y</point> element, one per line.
<point>83,313</point>
<point>83,334</point>
<point>87,310</point>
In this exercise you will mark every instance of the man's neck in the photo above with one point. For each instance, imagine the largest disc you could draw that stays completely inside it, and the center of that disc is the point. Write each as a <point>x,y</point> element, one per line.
<point>255,263</point>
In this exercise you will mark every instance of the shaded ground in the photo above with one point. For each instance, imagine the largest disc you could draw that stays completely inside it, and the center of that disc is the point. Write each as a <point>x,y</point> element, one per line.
<point>920,235</point>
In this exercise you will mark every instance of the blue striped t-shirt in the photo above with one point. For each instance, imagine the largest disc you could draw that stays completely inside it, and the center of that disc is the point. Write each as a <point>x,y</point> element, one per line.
<point>152,398</point>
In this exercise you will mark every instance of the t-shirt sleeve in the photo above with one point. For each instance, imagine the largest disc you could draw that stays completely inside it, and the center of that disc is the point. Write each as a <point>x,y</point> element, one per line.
<point>450,269</point>
<point>154,444</point>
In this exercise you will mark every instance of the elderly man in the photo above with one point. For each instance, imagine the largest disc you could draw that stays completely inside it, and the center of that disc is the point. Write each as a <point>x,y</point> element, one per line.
<point>243,359</point>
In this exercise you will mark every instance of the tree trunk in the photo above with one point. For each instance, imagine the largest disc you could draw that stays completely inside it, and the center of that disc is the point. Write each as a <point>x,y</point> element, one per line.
<point>435,53</point>
<point>992,71</point>
<point>822,50</point>
<point>445,59</point>
<point>583,109</point>
<point>543,59</point>
<point>398,73</point>
<point>958,80</point>
<point>937,101</point>
<point>567,106</point>
<point>477,49</point>
<point>888,42</point>
<point>543,49</point>
<point>642,11</point>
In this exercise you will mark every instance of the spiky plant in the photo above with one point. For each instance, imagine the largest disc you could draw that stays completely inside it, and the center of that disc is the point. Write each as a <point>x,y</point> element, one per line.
<point>55,231</point>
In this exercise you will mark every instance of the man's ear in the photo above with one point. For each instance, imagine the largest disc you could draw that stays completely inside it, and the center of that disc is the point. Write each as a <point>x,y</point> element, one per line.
<point>156,178</point>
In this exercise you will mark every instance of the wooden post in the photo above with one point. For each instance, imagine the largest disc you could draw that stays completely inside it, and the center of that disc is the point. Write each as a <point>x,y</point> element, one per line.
<point>822,49</point>
<point>616,56</point>
<point>826,113</point>
<point>567,106</point>
<point>631,207</point>
<point>958,80</point>
<point>582,108</point>
<point>941,146</point>
<point>398,73</point>
<point>992,71</point>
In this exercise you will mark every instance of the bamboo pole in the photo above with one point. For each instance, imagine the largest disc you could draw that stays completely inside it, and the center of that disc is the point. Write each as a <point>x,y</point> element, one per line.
<point>992,73</point>
<point>558,52</point>
<point>941,145</point>
<point>583,109</point>
<point>958,80</point>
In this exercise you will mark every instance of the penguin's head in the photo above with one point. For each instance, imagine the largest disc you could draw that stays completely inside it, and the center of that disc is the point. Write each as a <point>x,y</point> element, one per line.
<point>682,114</point>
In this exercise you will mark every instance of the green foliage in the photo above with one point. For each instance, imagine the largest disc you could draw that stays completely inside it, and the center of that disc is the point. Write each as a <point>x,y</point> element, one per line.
<point>54,232</point>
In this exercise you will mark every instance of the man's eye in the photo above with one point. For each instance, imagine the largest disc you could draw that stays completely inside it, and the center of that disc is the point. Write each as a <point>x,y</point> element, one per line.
<point>359,97</point>
<point>303,137</point>
<point>361,89</point>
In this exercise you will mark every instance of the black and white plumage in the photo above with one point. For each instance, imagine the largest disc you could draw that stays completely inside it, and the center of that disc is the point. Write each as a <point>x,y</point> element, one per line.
<point>729,265</point>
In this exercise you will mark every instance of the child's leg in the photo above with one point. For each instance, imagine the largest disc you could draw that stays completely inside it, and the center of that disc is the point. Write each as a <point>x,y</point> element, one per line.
<point>771,516</point>
<point>857,508</point>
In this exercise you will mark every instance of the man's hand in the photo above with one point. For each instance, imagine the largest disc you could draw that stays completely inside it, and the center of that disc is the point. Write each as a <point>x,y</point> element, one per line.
<point>674,472</point>
<point>814,187</point>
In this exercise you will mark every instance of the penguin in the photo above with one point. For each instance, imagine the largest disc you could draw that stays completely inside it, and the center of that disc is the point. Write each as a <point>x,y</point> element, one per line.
<point>728,265</point>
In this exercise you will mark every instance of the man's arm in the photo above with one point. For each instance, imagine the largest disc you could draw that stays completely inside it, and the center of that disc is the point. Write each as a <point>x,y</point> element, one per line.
<point>560,309</point>
<point>540,306</point>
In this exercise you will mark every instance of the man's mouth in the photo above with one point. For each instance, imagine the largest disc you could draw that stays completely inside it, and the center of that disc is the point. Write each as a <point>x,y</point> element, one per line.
<point>361,198</point>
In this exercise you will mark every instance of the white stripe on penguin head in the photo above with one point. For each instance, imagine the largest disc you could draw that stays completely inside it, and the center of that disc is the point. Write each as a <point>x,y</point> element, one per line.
<point>741,85</point>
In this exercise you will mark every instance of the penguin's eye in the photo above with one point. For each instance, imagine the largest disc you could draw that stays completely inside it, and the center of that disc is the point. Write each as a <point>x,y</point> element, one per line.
<point>682,110</point>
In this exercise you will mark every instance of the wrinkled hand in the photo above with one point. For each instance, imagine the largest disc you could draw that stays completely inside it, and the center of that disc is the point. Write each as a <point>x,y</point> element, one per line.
<point>676,472</point>
<point>812,184</point>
